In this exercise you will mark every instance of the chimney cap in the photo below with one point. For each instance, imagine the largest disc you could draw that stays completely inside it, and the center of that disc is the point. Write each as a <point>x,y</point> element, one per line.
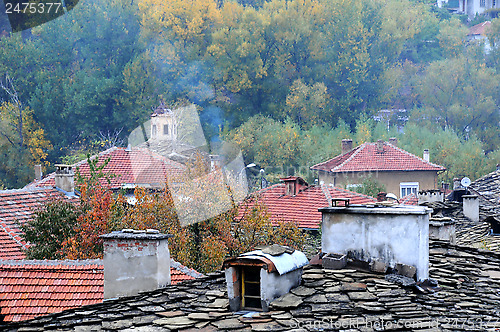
<point>132,234</point>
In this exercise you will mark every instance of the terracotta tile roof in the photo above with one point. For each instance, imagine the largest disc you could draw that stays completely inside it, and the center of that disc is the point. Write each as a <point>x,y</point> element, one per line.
<point>303,207</point>
<point>16,207</point>
<point>410,199</point>
<point>480,29</point>
<point>30,289</point>
<point>139,167</point>
<point>366,157</point>
<point>34,288</point>
<point>331,300</point>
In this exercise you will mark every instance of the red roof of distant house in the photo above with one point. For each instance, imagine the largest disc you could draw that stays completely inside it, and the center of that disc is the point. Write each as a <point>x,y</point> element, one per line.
<point>480,29</point>
<point>16,207</point>
<point>410,199</point>
<point>137,166</point>
<point>366,157</point>
<point>303,207</point>
<point>34,288</point>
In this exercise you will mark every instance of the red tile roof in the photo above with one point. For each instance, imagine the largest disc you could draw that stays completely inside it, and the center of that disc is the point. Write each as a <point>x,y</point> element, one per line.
<point>480,29</point>
<point>366,157</point>
<point>138,166</point>
<point>16,207</point>
<point>410,199</point>
<point>34,288</point>
<point>303,207</point>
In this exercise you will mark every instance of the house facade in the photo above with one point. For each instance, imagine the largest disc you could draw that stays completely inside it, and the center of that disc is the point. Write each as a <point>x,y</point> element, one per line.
<point>469,7</point>
<point>401,172</point>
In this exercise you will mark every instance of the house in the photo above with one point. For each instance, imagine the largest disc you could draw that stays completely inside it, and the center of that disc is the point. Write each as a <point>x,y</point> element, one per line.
<point>469,7</point>
<point>16,207</point>
<point>129,167</point>
<point>478,33</point>
<point>297,201</point>
<point>132,260</point>
<point>399,171</point>
<point>461,294</point>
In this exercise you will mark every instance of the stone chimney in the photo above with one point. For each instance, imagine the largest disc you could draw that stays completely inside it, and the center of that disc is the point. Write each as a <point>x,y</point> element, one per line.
<point>346,145</point>
<point>294,185</point>
<point>38,172</point>
<point>380,146</point>
<point>65,178</point>
<point>471,207</point>
<point>394,237</point>
<point>457,184</point>
<point>135,261</point>
<point>498,167</point>
<point>426,155</point>
<point>393,141</point>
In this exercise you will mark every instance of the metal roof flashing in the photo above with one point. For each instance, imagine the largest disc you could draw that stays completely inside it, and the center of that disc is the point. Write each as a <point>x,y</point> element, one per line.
<point>284,263</point>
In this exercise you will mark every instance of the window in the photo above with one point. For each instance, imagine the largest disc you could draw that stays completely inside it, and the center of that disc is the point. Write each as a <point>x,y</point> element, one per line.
<point>408,188</point>
<point>250,288</point>
<point>494,3</point>
<point>165,129</point>
<point>153,131</point>
<point>482,3</point>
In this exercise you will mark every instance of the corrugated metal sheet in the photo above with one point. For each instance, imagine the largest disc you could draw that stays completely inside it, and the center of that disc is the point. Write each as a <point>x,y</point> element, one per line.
<point>284,263</point>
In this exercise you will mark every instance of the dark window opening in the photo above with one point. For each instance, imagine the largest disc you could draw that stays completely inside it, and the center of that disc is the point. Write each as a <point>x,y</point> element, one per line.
<point>250,290</point>
<point>165,129</point>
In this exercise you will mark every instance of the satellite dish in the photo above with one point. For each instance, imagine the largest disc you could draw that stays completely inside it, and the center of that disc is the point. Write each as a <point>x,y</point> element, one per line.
<point>465,182</point>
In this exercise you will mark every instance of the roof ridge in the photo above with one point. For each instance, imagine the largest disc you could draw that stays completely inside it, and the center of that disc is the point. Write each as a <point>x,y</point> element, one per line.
<point>359,149</point>
<point>412,155</point>
<point>184,269</point>
<point>55,262</point>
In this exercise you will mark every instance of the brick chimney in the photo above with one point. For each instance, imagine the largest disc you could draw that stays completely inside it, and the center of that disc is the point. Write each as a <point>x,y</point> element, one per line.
<point>346,145</point>
<point>135,261</point>
<point>393,141</point>
<point>294,185</point>
<point>65,178</point>
<point>426,155</point>
<point>380,146</point>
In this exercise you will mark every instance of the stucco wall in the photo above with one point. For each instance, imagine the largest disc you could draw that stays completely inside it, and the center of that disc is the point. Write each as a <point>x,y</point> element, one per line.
<point>391,180</point>
<point>131,266</point>
<point>392,235</point>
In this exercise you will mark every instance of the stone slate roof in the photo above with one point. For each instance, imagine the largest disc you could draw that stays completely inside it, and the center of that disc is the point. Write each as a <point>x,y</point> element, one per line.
<point>366,157</point>
<point>16,207</point>
<point>488,188</point>
<point>303,207</point>
<point>138,166</point>
<point>348,300</point>
<point>32,288</point>
<point>468,232</point>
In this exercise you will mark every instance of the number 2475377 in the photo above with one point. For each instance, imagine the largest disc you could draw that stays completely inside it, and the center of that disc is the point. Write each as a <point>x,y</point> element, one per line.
<point>32,8</point>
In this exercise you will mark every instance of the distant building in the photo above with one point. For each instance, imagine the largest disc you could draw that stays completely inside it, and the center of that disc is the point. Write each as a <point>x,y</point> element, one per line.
<point>401,172</point>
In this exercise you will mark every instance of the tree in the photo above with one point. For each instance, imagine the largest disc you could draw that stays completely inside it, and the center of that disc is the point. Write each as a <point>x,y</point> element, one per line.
<point>22,140</point>
<point>51,226</point>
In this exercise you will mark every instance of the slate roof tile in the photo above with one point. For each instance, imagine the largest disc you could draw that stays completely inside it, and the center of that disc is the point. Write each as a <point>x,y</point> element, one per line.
<point>348,299</point>
<point>366,157</point>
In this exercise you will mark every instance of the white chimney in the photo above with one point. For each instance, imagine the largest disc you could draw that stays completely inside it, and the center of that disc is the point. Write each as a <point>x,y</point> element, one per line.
<point>38,172</point>
<point>393,236</point>
<point>426,155</point>
<point>65,178</point>
<point>135,261</point>
<point>215,162</point>
<point>471,207</point>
